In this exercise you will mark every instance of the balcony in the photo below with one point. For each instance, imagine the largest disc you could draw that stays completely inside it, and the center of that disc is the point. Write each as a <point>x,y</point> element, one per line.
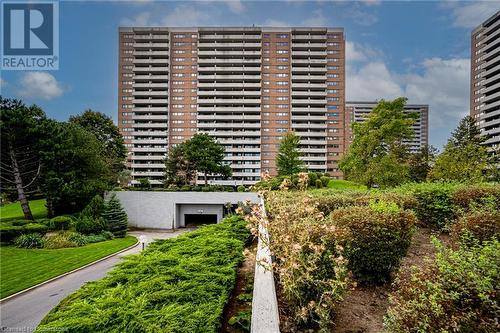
<point>229,100</point>
<point>150,101</point>
<point>203,37</point>
<point>215,124</point>
<point>151,61</point>
<point>164,53</point>
<point>236,93</point>
<point>150,117</point>
<point>309,85</point>
<point>152,85</point>
<point>228,109</point>
<point>308,93</point>
<point>229,69</point>
<point>228,77</point>
<point>229,85</point>
<point>149,149</point>
<point>150,109</point>
<point>303,102</point>
<point>227,117</point>
<point>229,61</point>
<point>216,44</point>
<point>151,125</point>
<point>150,93</point>
<point>151,77</point>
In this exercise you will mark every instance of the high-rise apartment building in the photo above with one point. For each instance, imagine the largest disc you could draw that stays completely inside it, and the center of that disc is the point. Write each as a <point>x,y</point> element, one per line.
<point>359,111</point>
<point>245,86</point>
<point>485,79</point>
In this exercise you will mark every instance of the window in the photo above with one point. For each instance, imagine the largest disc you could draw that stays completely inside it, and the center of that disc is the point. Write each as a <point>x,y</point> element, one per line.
<point>179,36</point>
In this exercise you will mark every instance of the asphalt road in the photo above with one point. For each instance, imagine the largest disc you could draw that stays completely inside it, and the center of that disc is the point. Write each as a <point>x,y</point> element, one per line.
<point>23,313</point>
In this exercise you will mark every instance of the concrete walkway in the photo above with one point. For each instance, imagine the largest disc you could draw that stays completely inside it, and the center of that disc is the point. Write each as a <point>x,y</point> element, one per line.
<point>24,312</point>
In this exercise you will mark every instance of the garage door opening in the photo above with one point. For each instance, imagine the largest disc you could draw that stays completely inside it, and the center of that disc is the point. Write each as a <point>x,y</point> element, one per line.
<point>192,220</point>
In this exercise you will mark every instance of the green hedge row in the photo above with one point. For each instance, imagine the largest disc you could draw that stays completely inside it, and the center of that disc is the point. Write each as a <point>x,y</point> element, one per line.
<point>177,285</point>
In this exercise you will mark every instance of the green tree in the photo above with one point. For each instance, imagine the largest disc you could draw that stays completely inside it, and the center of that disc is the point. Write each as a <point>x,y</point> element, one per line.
<point>377,154</point>
<point>421,163</point>
<point>109,135</point>
<point>144,183</point>
<point>115,217</point>
<point>73,167</point>
<point>206,155</point>
<point>178,169</point>
<point>20,163</point>
<point>288,160</point>
<point>464,157</point>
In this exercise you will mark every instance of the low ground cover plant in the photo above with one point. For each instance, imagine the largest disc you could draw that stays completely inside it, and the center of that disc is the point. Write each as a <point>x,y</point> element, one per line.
<point>457,292</point>
<point>177,285</point>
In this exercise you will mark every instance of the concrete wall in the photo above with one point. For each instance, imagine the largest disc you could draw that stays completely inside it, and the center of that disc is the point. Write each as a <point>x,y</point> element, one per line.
<point>161,210</point>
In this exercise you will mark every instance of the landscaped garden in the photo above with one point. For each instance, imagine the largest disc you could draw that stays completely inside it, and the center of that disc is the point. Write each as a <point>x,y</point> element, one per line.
<point>354,259</point>
<point>23,268</point>
<point>180,284</point>
<point>35,251</point>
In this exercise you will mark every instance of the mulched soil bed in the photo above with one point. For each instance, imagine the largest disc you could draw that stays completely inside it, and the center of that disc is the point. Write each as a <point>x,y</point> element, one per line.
<point>363,309</point>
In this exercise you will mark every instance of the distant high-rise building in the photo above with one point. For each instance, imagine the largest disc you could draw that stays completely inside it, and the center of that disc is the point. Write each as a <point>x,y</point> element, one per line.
<point>359,111</point>
<point>244,86</point>
<point>485,79</point>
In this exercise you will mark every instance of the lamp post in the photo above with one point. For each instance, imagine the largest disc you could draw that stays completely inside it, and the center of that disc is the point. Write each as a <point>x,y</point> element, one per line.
<point>142,240</point>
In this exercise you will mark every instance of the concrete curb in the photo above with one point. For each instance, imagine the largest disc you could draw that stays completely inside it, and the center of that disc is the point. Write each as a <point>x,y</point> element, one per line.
<point>19,293</point>
<point>265,315</point>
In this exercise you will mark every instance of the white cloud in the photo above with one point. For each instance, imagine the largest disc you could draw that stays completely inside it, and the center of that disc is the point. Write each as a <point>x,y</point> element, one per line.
<point>372,2</point>
<point>275,23</point>
<point>357,15</point>
<point>39,85</point>
<point>140,20</point>
<point>355,52</point>
<point>444,84</point>
<point>441,83</point>
<point>373,81</point>
<point>181,16</point>
<point>184,16</point>
<point>472,13</point>
<point>236,6</point>
<point>317,20</point>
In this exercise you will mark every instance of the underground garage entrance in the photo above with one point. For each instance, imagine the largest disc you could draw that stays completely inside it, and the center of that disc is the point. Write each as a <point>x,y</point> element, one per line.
<point>190,215</point>
<point>193,220</point>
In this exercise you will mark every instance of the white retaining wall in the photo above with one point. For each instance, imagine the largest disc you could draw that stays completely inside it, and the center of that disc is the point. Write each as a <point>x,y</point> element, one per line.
<point>162,210</point>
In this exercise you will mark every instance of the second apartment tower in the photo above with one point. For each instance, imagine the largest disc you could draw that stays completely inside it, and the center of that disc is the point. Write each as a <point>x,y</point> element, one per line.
<point>246,87</point>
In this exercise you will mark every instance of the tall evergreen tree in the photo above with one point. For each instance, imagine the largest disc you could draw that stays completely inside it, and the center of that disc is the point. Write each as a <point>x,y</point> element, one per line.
<point>115,217</point>
<point>288,159</point>
<point>20,164</point>
<point>421,163</point>
<point>178,169</point>
<point>206,155</point>
<point>464,157</point>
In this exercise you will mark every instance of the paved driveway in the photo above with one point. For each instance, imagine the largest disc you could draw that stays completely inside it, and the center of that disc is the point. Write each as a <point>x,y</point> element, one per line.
<point>23,313</point>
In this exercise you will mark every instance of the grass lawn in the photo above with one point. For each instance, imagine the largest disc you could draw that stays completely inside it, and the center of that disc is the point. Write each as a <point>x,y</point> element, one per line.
<point>13,211</point>
<point>23,268</point>
<point>340,184</point>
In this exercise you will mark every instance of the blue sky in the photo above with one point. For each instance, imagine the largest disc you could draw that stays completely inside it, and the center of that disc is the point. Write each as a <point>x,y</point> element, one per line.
<point>420,50</point>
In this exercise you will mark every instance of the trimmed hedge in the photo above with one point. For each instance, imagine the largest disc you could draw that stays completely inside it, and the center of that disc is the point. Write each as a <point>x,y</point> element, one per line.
<point>9,232</point>
<point>458,292</point>
<point>375,239</point>
<point>177,285</point>
<point>60,223</point>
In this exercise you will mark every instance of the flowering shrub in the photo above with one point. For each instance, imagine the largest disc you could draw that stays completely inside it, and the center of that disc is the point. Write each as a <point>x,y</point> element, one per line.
<point>458,292</point>
<point>375,238</point>
<point>309,264</point>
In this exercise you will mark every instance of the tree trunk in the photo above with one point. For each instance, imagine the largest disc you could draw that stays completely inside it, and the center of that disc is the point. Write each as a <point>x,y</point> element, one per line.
<point>23,200</point>
<point>206,180</point>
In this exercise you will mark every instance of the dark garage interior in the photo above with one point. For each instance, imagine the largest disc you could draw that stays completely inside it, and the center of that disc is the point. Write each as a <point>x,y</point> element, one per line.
<point>192,220</point>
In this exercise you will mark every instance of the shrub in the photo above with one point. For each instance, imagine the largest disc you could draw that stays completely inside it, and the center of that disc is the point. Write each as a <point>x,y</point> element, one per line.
<point>375,239</point>
<point>107,234</point>
<point>78,239</point>
<point>59,241</point>
<point>19,223</point>
<point>177,285</point>
<point>197,188</point>
<point>229,189</point>
<point>319,184</point>
<point>328,202</point>
<point>87,225</point>
<point>10,232</point>
<point>309,265</point>
<point>458,292</point>
<point>241,188</point>
<point>205,189</point>
<point>312,178</point>
<point>115,217</point>
<point>29,241</point>
<point>435,206</point>
<point>60,223</point>
<point>95,207</point>
<point>477,196</point>
<point>186,188</point>
<point>325,180</point>
<point>479,225</point>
